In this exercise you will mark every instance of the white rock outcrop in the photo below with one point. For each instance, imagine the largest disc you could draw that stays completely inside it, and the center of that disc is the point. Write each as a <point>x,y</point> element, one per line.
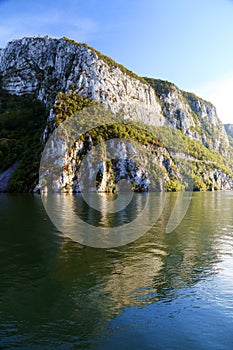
<point>46,66</point>
<point>193,116</point>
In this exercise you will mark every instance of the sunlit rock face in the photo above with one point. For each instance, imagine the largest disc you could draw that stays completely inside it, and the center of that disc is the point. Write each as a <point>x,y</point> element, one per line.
<point>193,116</point>
<point>65,170</point>
<point>46,66</point>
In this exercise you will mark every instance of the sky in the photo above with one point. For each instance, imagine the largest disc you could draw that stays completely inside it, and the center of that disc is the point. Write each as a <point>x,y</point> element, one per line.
<point>189,43</point>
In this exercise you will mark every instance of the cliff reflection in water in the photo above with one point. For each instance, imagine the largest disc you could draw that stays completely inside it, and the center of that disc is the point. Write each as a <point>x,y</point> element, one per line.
<point>51,285</point>
<point>157,265</point>
<point>104,222</point>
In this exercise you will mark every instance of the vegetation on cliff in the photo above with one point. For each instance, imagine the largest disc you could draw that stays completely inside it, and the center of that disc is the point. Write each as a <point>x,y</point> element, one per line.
<point>192,130</point>
<point>22,120</point>
<point>108,60</point>
<point>205,163</point>
<point>193,116</point>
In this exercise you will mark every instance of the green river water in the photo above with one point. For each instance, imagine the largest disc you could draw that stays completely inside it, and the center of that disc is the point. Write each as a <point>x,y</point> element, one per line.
<point>163,291</point>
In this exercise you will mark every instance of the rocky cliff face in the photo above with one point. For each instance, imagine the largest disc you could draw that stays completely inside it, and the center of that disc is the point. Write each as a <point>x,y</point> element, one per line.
<point>161,171</point>
<point>44,67</point>
<point>229,129</point>
<point>195,117</point>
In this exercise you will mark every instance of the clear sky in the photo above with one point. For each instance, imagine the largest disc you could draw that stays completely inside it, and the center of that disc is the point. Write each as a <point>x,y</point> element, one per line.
<point>187,42</point>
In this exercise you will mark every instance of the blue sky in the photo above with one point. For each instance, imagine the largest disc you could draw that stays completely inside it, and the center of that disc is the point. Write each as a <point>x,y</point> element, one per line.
<point>187,42</point>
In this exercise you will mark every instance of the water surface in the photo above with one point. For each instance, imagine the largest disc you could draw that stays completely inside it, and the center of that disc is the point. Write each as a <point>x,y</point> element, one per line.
<point>163,291</point>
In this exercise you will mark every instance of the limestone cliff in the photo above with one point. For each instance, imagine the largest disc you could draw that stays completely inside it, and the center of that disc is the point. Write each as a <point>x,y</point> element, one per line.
<point>45,67</point>
<point>229,129</point>
<point>195,117</point>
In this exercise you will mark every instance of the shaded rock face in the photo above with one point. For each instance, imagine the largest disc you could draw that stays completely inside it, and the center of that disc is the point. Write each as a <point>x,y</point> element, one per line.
<point>46,66</point>
<point>229,129</point>
<point>5,177</point>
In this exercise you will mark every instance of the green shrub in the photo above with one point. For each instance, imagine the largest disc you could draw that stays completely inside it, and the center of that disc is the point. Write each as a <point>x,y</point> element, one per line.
<point>173,186</point>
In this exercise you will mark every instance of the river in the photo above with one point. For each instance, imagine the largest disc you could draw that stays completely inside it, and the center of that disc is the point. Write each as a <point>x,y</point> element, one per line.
<point>162,291</point>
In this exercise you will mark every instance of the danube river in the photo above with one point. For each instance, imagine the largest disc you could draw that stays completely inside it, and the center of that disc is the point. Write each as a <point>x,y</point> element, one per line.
<point>164,291</point>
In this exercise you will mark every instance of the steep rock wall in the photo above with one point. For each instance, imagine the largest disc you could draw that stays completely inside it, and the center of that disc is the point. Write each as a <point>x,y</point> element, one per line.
<point>193,116</point>
<point>46,66</point>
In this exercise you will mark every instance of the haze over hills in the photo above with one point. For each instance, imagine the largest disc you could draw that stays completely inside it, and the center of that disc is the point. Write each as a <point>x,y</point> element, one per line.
<point>44,81</point>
